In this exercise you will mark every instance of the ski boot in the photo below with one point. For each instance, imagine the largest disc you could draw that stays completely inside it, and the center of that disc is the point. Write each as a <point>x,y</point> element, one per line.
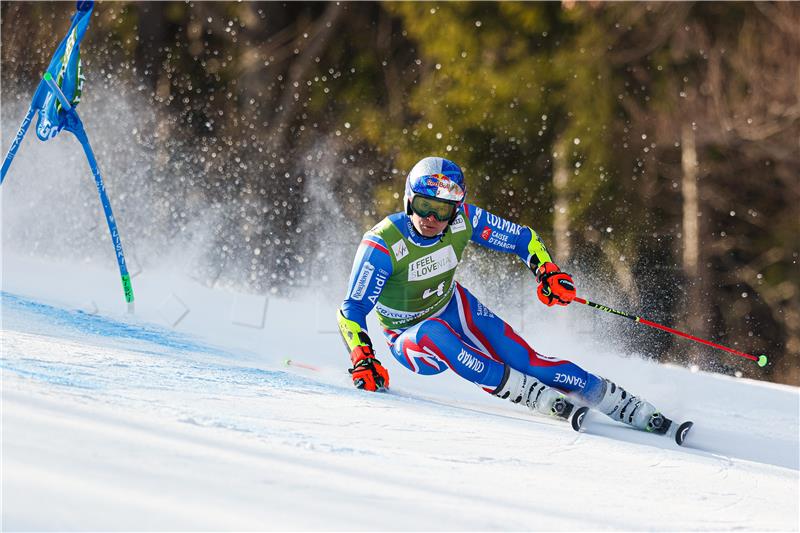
<point>522,388</point>
<point>624,407</point>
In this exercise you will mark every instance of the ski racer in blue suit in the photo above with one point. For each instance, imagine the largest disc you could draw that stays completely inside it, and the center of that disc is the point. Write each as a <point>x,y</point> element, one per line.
<point>404,269</point>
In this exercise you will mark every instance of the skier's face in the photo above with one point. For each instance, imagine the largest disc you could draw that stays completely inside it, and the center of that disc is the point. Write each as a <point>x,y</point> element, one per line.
<point>428,226</point>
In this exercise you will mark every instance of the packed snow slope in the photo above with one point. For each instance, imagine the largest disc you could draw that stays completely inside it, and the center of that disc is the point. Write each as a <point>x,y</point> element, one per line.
<point>185,416</point>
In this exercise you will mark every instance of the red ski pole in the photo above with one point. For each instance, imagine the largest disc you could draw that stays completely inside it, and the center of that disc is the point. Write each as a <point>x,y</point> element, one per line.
<point>291,362</point>
<point>761,360</point>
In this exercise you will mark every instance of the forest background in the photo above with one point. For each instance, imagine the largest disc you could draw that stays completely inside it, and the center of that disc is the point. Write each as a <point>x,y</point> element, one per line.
<point>654,146</point>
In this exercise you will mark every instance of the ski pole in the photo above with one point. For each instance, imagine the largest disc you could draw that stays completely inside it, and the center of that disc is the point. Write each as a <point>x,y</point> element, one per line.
<point>75,125</point>
<point>761,360</point>
<point>290,362</point>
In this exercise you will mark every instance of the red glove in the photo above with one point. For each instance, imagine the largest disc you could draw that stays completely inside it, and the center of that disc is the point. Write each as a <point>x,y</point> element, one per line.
<point>367,372</point>
<point>555,287</point>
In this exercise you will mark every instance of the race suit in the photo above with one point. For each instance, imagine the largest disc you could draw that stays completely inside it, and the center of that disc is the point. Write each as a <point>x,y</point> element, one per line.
<point>432,322</point>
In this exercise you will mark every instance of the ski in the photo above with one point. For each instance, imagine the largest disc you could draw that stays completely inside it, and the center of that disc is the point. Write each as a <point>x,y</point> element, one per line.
<point>660,425</point>
<point>681,432</point>
<point>578,417</point>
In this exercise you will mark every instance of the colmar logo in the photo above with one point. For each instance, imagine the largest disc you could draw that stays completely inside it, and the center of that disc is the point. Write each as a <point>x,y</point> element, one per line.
<point>503,225</point>
<point>470,361</point>
<point>486,233</point>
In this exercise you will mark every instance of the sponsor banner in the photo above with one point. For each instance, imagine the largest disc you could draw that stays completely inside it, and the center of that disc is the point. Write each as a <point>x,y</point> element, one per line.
<point>394,314</point>
<point>458,224</point>
<point>434,264</point>
<point>405,317</point>
<point>380,281</point>
<point>446,189</point>
<point>362,281</point>
<point>500,240</point>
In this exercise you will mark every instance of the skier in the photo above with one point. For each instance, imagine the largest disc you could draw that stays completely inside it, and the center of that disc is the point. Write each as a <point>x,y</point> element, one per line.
<point>404,267</point>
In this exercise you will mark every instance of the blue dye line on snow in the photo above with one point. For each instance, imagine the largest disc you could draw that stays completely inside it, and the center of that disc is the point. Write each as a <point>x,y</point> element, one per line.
<point>186,373</point>
<point>53,375</point>
<point>82,322</point>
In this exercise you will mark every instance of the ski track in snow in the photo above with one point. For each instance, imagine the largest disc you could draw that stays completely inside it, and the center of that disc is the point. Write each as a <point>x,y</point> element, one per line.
<point>122,424</point>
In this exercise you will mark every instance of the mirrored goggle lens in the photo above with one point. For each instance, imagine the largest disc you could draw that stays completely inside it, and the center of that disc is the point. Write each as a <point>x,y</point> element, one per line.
<point>425,207</point>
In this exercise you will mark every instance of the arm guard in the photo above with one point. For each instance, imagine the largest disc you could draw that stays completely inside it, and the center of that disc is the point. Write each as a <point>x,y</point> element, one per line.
<point>537,252</point>
<point>352,334</point>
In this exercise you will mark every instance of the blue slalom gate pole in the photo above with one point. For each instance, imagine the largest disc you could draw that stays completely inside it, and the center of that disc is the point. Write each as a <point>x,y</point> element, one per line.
<point>23,129</point>
<point>75,125</point>
<point>66,66</point>
<point>80,133</point>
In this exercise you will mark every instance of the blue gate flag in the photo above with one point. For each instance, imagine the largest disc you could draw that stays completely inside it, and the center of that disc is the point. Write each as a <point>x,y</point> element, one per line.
<point>55,99</point>
<point>65,68</point>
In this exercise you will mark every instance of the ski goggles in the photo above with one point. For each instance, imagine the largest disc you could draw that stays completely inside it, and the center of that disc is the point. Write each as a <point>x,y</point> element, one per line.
<point>425,206</point>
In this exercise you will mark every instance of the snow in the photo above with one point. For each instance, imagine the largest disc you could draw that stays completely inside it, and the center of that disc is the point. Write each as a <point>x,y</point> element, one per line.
<point>113,421</point>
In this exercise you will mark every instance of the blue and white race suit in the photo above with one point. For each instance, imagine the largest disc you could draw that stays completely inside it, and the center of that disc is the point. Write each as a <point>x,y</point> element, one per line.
<point>464,335</point>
